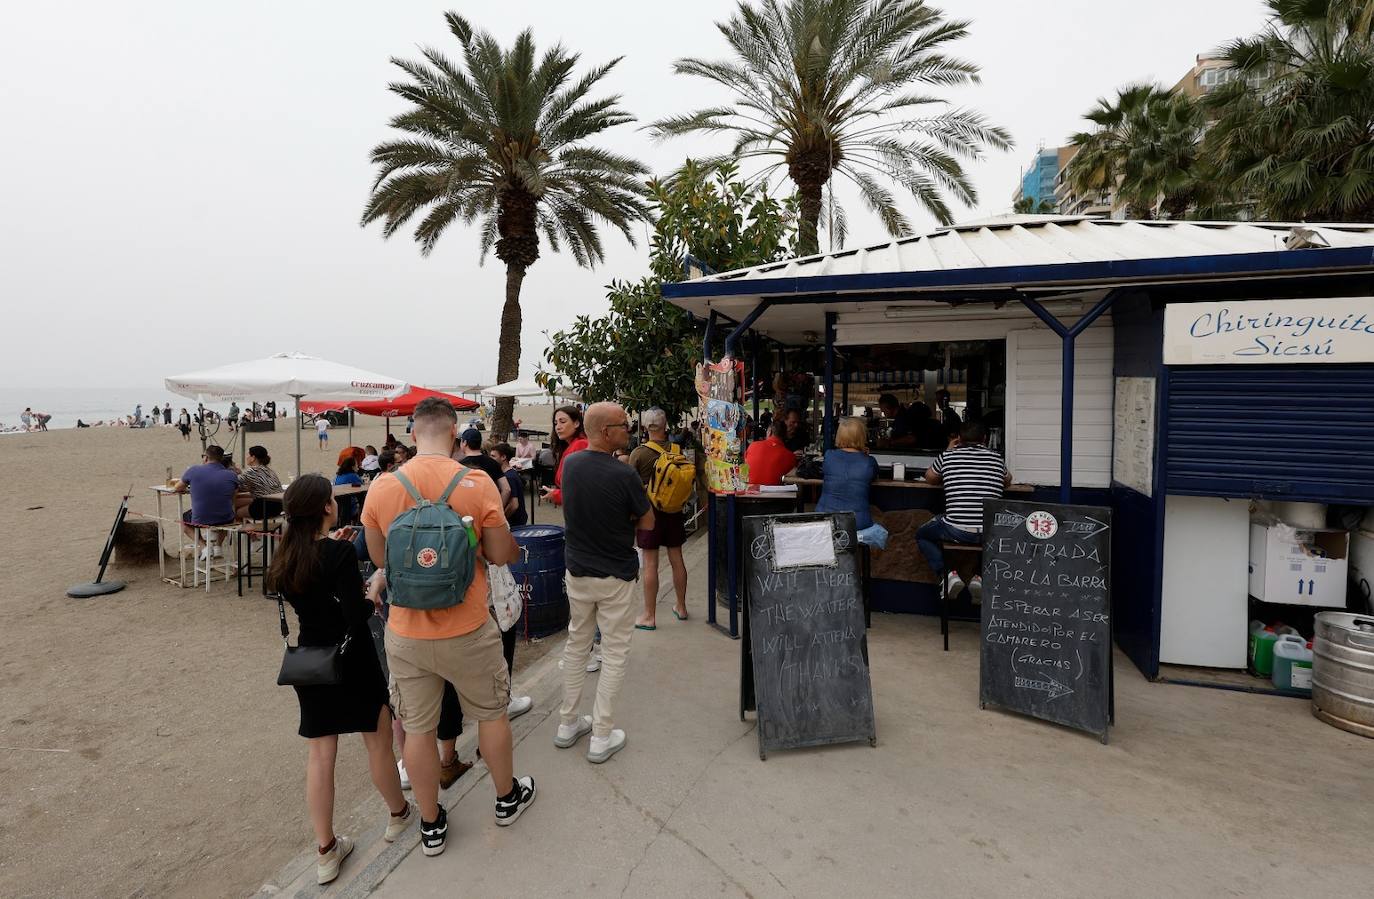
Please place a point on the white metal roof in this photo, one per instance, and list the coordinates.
(1000, 252)
(1050, 240)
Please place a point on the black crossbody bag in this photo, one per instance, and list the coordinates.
(310, 666)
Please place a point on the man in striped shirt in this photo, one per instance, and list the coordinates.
(970, 473)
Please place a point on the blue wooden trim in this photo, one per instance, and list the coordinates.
(710, 332)
(732, 339)
(710, 558)
(828, 418)
(1065, 273)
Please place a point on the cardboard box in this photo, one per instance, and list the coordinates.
(1299, 567)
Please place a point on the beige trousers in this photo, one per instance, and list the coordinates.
(608, 603)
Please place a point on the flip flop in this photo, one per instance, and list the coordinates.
(679, 617)
(646, 627)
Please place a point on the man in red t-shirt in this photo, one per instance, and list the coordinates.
(768, 460)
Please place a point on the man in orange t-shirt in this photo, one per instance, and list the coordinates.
(460, 644)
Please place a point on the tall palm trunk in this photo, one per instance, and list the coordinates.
(518, 248)
(508, 357)
(809, 171)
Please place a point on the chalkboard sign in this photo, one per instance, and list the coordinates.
(804, 656)
(1047, 633)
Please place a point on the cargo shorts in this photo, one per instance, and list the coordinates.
(473, 663)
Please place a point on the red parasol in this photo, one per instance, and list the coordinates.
(393, 408)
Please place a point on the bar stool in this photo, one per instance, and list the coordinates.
(207, 564)
(243, 552)
(947, 548)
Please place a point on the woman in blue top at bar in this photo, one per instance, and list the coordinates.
(847, 472)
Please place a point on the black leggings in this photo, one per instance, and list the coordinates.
(451, 710)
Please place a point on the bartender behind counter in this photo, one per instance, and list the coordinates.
(912, 427)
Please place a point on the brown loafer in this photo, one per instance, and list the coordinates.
(449, 774)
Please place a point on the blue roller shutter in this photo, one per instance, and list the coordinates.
(1284, 431)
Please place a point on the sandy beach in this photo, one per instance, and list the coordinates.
(144, 744)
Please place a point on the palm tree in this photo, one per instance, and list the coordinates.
(1295, 132)
(502, 139)
(1144, 147)
(1032, 206)
(825, 86)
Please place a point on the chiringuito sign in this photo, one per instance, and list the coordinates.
(1266, 332)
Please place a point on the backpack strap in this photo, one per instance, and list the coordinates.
(443, 498)
(655, 447)
(410, 488)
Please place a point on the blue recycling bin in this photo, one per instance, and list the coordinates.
(538, 572)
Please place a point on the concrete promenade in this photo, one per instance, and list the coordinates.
(1200, 793)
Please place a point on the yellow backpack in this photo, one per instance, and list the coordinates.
(673, 479)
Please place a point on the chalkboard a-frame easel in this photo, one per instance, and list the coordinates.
(1046, 647)
(804, 652)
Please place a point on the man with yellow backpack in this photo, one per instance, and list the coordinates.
(668, 479)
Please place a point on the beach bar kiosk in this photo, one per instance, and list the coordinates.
(1184, 374)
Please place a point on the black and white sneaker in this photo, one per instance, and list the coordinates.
(507, 810)
(434, 834)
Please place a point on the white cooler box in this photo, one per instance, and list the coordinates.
(1303, 567)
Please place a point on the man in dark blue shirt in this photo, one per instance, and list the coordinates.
(212, 487)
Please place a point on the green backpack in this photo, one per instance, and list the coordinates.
(430, 560)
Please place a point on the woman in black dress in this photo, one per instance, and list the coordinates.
(319, 576)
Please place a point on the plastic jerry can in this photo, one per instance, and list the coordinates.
(1262, 648)
(1292, 664)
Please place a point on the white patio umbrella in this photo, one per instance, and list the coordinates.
(287, 374)
(529, 388)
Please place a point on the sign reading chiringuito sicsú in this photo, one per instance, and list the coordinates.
(1266, 332)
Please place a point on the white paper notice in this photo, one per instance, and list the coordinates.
(1302, 678)
(1133, 440)
(802, 544)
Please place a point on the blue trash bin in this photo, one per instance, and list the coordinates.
(538, 571)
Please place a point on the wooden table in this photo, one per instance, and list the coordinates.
(162, 490)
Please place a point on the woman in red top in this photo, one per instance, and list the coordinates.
(768, 460)
(568, 439)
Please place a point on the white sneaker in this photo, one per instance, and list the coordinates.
(518, 706)
(396, 826)
(602, 748)
(205, 554)
(954, 585)
(405, 778)
(327, 867)
(568, 734)
(218, 551)
(975, 590)
(594, 663)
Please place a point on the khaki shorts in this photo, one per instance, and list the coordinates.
(473, 663)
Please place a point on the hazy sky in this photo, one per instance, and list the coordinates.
(184, 180)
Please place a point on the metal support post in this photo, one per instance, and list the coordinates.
(1067, 334)
(828, 413)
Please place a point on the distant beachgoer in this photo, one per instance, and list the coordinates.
(138, 411)
(81, 424)
(184, 424)
(322, 431)
(26, 418)
(167, 414)
(157, 414)
(41, 419)
(233, 417)
(319, 576)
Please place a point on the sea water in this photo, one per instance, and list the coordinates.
(91, 404)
